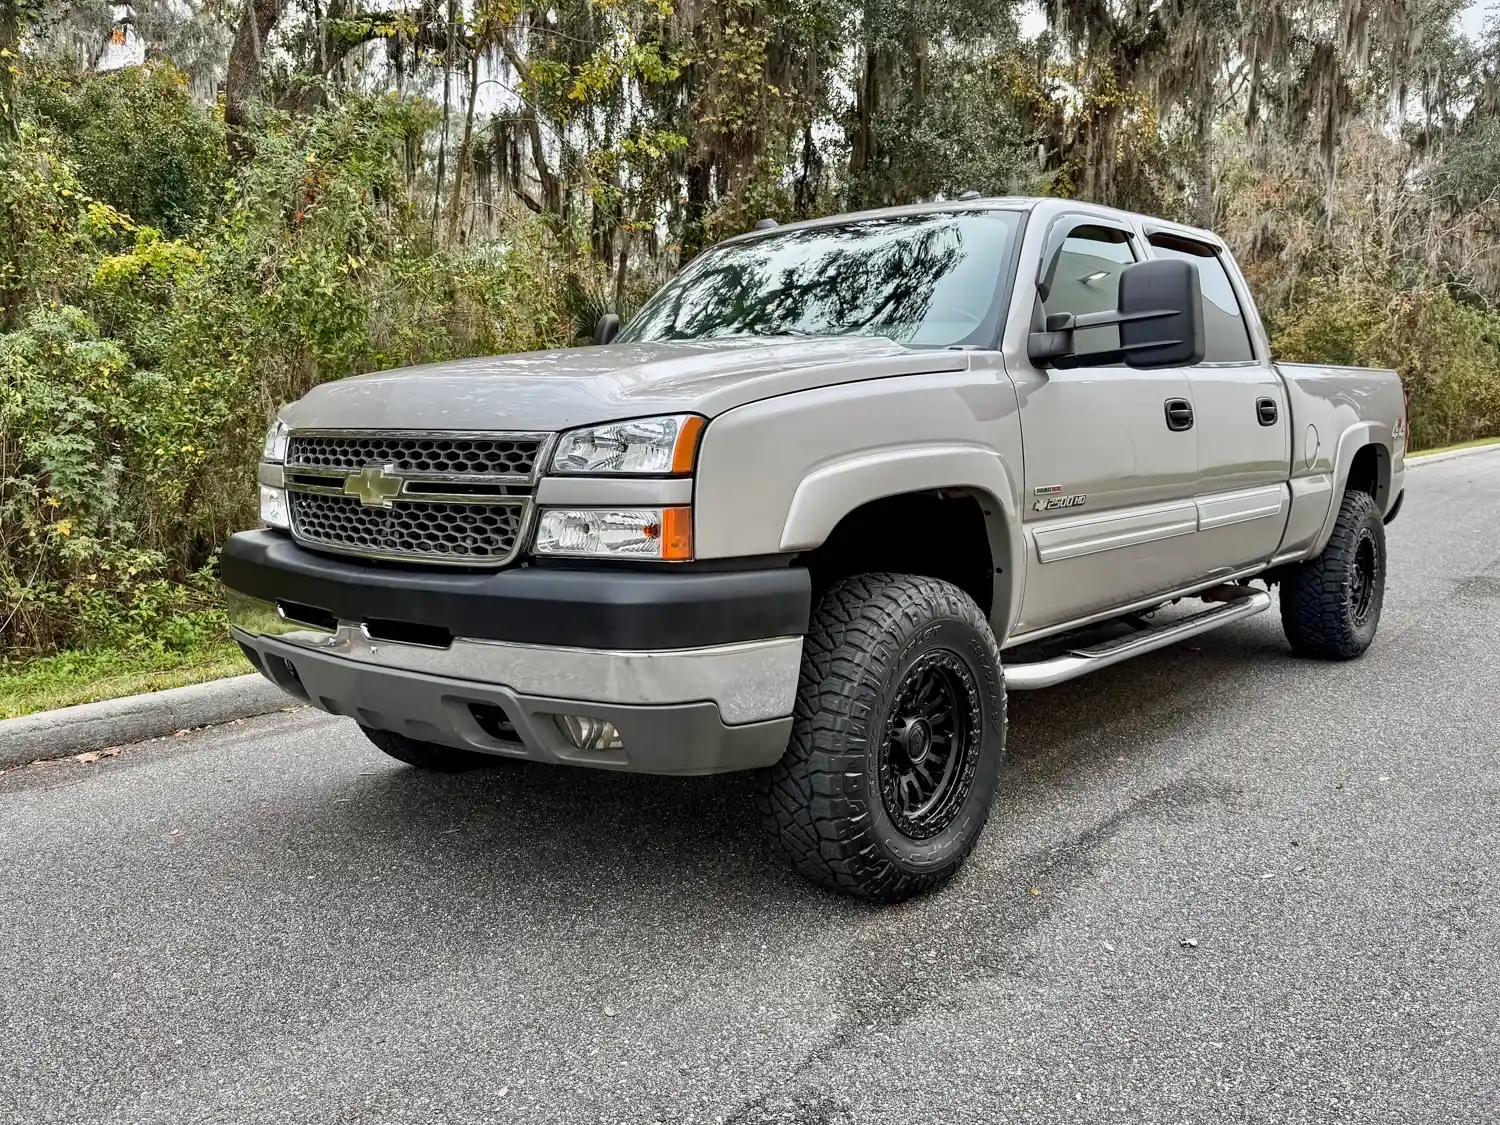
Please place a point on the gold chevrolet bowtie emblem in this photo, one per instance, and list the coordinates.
(375, 485)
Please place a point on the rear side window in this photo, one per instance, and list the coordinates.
(1227, 338)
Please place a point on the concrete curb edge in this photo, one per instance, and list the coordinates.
(136, 718)
(1451, 454)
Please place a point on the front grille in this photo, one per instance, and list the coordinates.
(461, 500)
(467, 456)
(475, 533)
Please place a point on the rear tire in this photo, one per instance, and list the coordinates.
(897, 739)
(431, 756)
(1330, 605)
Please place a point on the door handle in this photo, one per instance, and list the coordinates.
(1179, 414)
(1265, 411)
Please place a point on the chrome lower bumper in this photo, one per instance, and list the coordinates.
(702, 710)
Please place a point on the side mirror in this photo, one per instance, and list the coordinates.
(607, 328)
(1159, 312)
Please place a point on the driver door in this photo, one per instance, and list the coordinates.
(1110, 452)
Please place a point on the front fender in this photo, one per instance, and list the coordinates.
(831, 491)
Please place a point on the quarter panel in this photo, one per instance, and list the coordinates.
(1336, 411)
(1311, 497)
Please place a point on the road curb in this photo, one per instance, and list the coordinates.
(1451, 454)
(136, 718)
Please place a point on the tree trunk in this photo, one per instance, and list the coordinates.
(1207, 209)
(699, 181)
(442, 161)
(11, 289)
(622, 271)
(244, 77)
(461, 165)
(866, 105)
(10, 56)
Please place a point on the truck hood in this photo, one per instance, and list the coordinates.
(557, 390)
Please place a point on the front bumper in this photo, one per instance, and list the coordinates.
(695, 709)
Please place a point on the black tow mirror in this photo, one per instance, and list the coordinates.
(607, 328)
(1159, 312)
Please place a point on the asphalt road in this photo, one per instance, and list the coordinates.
(272, 922)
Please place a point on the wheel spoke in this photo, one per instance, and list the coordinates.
(911, 793)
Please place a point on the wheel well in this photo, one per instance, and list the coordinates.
(938, 534)
(1364, 471)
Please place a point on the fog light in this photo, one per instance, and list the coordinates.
(273, 508)
(590, 734)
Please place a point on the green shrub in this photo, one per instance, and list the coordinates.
(138, 140)
(1447, 353)
(144, 368)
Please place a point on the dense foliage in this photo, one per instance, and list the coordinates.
(282, 194)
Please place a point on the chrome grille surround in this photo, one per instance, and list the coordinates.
(450, 498)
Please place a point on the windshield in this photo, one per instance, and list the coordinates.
(927, 280)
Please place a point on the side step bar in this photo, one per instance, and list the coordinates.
(1045, 673)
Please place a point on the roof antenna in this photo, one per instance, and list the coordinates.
(766, 224)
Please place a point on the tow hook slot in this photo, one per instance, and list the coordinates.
(407, 633)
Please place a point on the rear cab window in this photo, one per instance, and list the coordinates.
(1227, 338)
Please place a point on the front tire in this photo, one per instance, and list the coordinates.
(897, 739)
(1330, 605)
(430, 756)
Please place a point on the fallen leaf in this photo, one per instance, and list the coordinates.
(1384, 778)
(1035, 891)
(1109, 947)
(1190, 943)
(95, 755)
(610, 1012)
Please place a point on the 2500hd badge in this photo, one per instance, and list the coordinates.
(1053, 502)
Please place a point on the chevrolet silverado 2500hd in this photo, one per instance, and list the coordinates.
(834, 489)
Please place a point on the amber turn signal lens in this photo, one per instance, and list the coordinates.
(677, 534)
(686, 451)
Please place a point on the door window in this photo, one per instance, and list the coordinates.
(1085, 278)
(1227, 340)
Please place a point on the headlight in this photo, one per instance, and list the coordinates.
(649, 447)
(276, 439)
(273, 511)
(635, 533)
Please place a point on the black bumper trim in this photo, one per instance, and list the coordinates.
(598, 608)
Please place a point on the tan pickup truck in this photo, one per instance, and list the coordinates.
(832, 491)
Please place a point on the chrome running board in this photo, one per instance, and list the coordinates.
(1078, 661)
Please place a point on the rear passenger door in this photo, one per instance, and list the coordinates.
(1110, 453)
(1244, 432)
